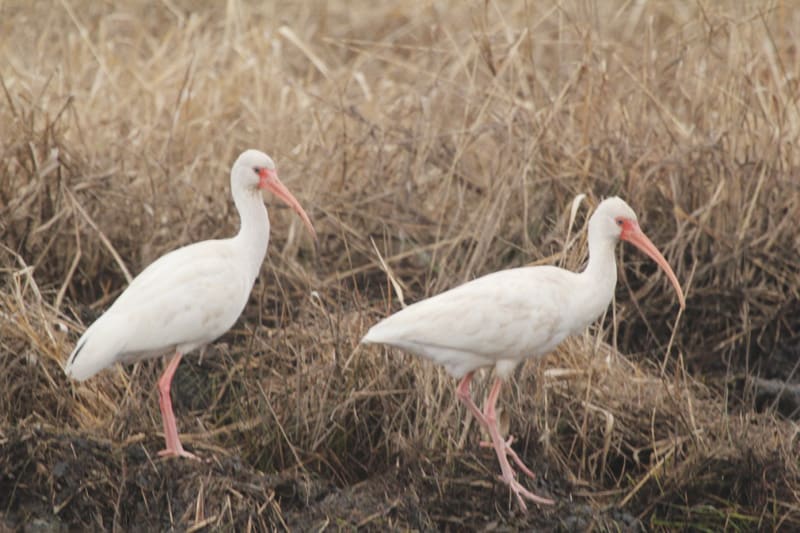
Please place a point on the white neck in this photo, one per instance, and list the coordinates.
(599, 278)
(253, 236)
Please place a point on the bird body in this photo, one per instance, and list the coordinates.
(503, 318)
(496, 320)
(190, 296)
(184, 300)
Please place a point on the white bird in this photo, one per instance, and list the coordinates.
(190, 296)
(506, 317)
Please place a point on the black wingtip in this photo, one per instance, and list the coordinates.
(76, 352)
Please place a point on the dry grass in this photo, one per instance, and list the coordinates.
(455, 135)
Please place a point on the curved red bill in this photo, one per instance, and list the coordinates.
(632, 233)
(269, 180)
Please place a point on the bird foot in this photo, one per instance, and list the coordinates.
(509, 476)
(510, 452)
(523, 494)
(178, 452)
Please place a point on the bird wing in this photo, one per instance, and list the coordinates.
(192, 294)
(507, 315)
(184, 299)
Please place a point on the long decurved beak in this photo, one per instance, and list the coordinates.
(632, 233)
(269, 181)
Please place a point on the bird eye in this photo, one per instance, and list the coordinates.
(620, 222)
(257, 170)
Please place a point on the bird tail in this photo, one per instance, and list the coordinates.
(97, 348)
(372, 336)
(384, 332)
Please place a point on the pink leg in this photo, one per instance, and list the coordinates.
(510, 451)
(174, 447)
(464, 395)
(502, 448)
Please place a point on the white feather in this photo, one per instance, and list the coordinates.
(185, 299)
(503, 318)
(500, 318)
(192, 295)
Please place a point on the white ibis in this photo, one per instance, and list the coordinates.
(506, 317)
(190, 296)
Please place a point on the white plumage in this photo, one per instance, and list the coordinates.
(185, 299)
(505, 317)
(190, 296)
(489, 321)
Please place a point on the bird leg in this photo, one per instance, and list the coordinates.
(466, 398)
(510, 451)
(503, 449)
(174, 447)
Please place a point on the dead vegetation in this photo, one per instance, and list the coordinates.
(454, 136)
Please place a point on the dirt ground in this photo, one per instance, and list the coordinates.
(431, 143)
(139, 494)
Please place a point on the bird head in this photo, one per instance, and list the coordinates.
(614, 220)
(255, 170)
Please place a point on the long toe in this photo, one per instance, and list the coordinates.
(524, 494)
(171, 452)
(522, 466)
(510, 452)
